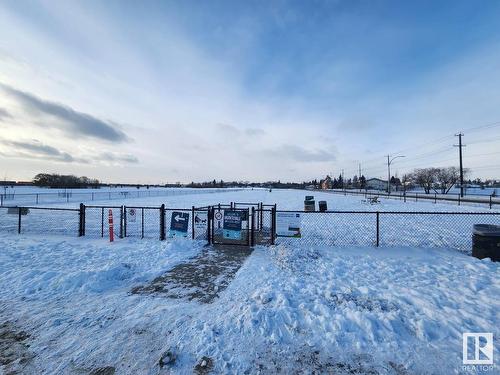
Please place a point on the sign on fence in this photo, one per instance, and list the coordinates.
(288, 224)
(200, 220)
(232, 224)
(15, 210)
(179, 224)
(131, 215)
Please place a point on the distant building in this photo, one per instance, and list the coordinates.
(327, 183)
(376, 184)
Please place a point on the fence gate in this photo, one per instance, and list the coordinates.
(230, 225)
(263, 226)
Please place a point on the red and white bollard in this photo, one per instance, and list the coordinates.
(110, 220)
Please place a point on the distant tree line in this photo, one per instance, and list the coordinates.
(64, 181)
(268, 184)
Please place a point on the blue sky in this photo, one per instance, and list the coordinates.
(257, 90)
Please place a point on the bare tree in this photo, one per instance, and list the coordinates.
(425, 177)
(438, 179)
(446, 178)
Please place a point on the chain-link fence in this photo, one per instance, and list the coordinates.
(142, 222)
(263, 232)
(432, 229)
(367, 228)
(96, 221)
(339, 228)
(9, 219)
(72, 196)
(40, 220)
(260, 225)
(474, 200)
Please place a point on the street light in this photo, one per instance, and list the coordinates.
(389, 161)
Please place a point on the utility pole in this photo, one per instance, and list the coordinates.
(460, 135)
(388, 175)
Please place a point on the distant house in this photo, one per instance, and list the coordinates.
(376, 184)
(327, 183)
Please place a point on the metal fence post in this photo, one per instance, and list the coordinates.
(435, 198)
(102, 222)
(378, 228)
(252, 233)
(121, 222)
(19, 221)
(162, 222)
(192, 221)
(459, 199)
(491, 200)
(124, 221)
(142, 222)
(37, 199)
(209, 224)
(273, 225)
(261, 218)
(80, 221)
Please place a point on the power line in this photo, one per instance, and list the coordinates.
(441, 140)
(480, 127)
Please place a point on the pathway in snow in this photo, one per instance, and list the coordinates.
(14, 351)
(201, 278)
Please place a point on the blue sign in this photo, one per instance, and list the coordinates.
(179, 224)
(231, 227)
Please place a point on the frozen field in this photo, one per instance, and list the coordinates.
(68, 306)
(285, 200)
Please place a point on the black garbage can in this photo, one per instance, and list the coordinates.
(486, 241)
(309, 203)
(322, 206)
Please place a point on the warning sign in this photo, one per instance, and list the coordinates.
(288, 224)
(131, 215)
(200, 220)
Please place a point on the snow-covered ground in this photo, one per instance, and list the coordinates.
(67, 307)
(30, 196)
(289, 309)
(286, 199)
